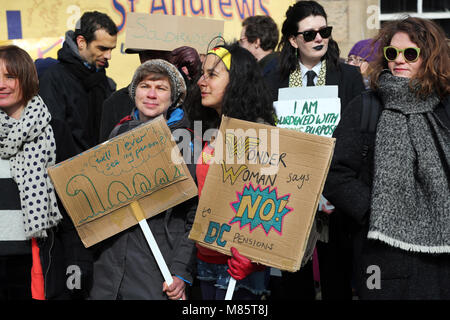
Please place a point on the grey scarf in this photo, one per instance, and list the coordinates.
(29, 144)
(410, 198)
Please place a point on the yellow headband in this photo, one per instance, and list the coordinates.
(223, 54)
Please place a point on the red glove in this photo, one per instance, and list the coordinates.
(240, 267)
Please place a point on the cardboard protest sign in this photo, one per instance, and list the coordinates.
(318, 112)
(314, 115)
(261, 192)
(97, 186)
(166, 32)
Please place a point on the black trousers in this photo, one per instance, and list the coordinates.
(15, 277)
(336, 260)
(294, 285)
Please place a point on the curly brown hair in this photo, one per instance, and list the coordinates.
(434, 73)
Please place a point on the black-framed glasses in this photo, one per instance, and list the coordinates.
(310, 35)
(411, 54)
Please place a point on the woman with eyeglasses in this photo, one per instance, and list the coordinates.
(398, 195)
(361, 55)
(310, 57)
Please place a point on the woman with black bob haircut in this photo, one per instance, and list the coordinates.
(232, 85)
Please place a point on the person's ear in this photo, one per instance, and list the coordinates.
(81, 42)
(293, 41)
(257, 43)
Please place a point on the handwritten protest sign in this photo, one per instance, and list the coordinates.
(261, 192)
(97, 186)
(314, 115)
(166, 32)
(319, 112)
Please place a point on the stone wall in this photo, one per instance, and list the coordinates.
(352, 20)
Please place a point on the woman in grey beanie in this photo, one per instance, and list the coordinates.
(398, 194)
(124, 267)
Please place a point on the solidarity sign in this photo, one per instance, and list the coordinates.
(261, 192)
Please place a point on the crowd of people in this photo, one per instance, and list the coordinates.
(389, 181)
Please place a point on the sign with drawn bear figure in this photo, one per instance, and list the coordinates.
(261, 192)
(97, 186)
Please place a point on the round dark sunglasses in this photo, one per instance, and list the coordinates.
(410, 54)
(310, 35)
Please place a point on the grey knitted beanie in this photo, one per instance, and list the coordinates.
(159, 66)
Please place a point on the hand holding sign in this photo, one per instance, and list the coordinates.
(175, 291)
(240, 267)
(262, 215)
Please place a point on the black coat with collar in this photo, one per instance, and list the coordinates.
(347, 77)
(333, 255)
(66, 89)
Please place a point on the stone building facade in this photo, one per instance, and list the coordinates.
(352, 20)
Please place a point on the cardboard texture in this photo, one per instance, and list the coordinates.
(261, 195)
(97, 186)
(166, 32)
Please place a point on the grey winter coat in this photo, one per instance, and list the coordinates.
(124, 266)
(381, 271)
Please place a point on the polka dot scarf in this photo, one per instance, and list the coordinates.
(29, 144)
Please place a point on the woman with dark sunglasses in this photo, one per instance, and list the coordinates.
(310, 56)
(307, 45)
(399, 193)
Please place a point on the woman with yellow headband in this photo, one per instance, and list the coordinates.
(232, 85)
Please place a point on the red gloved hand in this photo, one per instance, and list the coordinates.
(240, 267)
